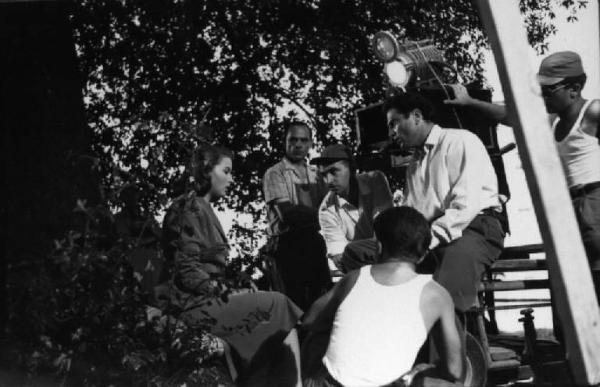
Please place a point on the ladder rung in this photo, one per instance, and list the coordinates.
(501, 353)
(521, 251)
(499, 286)
(518, 265)
(519, 306)
(503, 364)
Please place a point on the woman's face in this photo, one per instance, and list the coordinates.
(220, 178)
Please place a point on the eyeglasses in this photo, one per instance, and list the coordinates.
(548, 90)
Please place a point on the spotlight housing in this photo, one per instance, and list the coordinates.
(385, 46)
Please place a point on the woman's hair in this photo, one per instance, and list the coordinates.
(403, 233)
(203, 160)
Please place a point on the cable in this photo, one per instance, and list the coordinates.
(460, 125)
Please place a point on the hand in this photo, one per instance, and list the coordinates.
(337, 260)
(461, 96)
(435, 242)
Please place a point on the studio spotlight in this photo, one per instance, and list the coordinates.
(385, 46)
(411, 64)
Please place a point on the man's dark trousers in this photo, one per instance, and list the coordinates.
(459, 265)
(302, 262)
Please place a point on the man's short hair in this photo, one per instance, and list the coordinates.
(403, 233)
(407, 102)
(294, 124)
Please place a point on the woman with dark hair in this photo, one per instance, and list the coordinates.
(259, 326)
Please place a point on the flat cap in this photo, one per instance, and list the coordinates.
(333, 153)
(558, 66)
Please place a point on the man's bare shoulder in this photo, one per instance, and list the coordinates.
(435, 296)
(593, 111)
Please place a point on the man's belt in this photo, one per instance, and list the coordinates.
(584, 189)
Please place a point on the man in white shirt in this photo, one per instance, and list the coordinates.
(452, 182)
(347, 211)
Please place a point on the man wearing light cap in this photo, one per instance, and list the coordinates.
(576, 131)
(347, 211)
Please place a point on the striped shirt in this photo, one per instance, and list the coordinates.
(297, 184)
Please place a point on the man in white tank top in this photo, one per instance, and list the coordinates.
(576, 132)
(379, 316)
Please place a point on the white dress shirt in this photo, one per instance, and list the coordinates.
(450, 181)
(341, 222)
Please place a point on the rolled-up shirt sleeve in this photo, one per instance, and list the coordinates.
(332, 231)
(274, 186)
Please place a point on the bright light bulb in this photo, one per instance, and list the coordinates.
(397, 73)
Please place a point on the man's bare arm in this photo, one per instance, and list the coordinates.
(320, 316)
(592, 115)
(453, 352)
(493, 111)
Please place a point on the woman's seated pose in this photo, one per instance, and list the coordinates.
(380, 315)
(259, 326)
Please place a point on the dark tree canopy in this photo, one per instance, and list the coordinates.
(155, 70)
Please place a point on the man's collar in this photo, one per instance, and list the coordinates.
(333, 199)
(433, 137)
(289, 165)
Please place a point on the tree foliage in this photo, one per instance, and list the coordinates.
(155, 70)
(85, 317)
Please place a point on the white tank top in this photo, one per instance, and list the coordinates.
(377, 332)
(579, 153)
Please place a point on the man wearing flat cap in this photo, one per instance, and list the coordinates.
(576, 128)
(347, 211)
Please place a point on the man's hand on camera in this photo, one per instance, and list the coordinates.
(461, 96)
